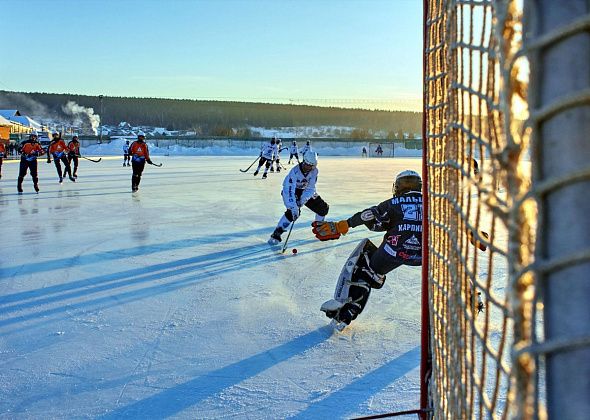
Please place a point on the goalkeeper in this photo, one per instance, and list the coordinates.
(400, 217)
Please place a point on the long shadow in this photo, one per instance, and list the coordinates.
(206, 270)
(178, 398)
(100, 283)
(341, 403)
(112, 255)
(230, 255)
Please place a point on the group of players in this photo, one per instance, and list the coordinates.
(399, 217)
(270, 154)
(68, 154)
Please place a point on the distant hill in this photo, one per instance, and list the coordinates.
(206, 116)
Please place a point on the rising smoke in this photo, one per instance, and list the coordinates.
(79, 113)
(25, 104)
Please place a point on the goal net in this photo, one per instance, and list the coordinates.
(381, 150)
(507, 175)
(479, 232)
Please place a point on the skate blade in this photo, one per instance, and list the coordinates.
(272, 242)
(338, 326)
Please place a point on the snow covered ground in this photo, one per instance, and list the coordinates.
(237, 148)
(169, 302)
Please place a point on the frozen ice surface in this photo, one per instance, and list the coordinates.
(169, 303)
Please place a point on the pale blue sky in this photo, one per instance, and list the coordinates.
(367, 51)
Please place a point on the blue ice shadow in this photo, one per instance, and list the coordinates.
(206, 268)
(61, 263)
(176, 399)
(341, 403)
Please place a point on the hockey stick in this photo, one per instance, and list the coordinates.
(252, 164)
(287, 238)
(159, 165)
(91, 160)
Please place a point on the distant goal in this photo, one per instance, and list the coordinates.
(381, 150)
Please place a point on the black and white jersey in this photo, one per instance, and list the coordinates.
(298, 188)
(294, 150)
(275, 151)
(125, 149)
(267, 151)
(305, 149)
(401, 218)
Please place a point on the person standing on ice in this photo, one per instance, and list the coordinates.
(293, 152)
(126, 154)
(299, 189)
(277, 155)
(266, 156)
(306, 147)
(57, 149)
(400, 217)
(139, 156)
(2, 156)
(74, 154)
(30, 149)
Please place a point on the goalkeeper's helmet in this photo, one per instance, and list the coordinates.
(407, 181)
(310, 161)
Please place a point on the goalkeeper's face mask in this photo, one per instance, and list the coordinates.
(407, 181)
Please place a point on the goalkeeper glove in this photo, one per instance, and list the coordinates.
(326, 231)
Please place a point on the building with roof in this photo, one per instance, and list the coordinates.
(5, 128)
(19, 123)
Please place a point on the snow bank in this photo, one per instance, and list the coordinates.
(234, 148)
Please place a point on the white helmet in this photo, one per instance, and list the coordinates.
(310, 158)
(406, 181)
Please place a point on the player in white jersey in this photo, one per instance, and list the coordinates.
(275, 154)
(306, 147)
(277, 157)
(293, 152)
(266, 156)
(299, 189)
(126, 158)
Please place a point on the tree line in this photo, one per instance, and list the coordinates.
(206, 117)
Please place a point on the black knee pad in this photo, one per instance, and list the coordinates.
(320, 207)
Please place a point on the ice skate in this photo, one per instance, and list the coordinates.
(255, 173)
(331, 308)
(275, 237)
(264, 175)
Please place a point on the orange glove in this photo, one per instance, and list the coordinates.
(326, 231)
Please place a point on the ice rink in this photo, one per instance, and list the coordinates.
(169, 302)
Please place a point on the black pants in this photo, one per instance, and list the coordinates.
(293, 155)
(27, 165)
(137, 167)
(263, 161)
(1, 160)
(73, 157)
(57, 161)
(125, 159)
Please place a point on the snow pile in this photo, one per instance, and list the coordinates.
(235, 148)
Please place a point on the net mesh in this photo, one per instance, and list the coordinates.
(478, 178)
